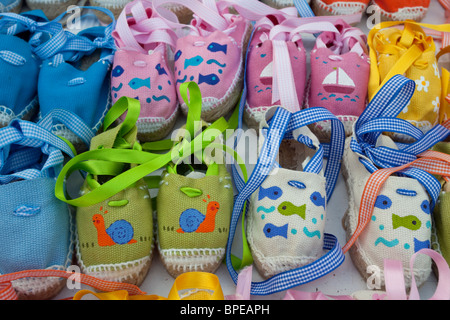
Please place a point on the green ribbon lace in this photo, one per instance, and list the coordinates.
(123, 161)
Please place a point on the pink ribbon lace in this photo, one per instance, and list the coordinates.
(394, 280)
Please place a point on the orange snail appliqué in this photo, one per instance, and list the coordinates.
(119, 232)
(192, 220)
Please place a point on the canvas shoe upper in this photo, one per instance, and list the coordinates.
(142, 69)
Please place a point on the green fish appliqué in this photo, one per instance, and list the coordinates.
(409, 222)
(288, 209)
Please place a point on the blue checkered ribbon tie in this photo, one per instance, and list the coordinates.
(24, 160)
(379, 117)
(303, 8)
(79, 46)
(44, 48)
(72, 121)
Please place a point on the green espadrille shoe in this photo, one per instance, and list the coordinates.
(114, 227)
(193, 214)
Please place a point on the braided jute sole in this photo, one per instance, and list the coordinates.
(53, 8)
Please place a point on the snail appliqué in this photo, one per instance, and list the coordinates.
(119, 232)
(192, 220)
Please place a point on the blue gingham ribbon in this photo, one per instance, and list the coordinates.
(72, 121)
(303, 8)
(380, 116)
(12, 23)
(334, 149)
(24, 160)
(80, 46)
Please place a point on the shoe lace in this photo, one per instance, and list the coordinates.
(144, 30)
(348, 39)
(12, 58)
(410, 160)
(36, 152)
(46, 38)
(76, 46)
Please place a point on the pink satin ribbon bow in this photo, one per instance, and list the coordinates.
(394, 282)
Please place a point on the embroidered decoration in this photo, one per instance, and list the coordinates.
(419, 245)
(383, 202)
(286, 208)
(217, 47)
(272, 193)
(160, 69)
(311, 234)
(192, 220)
(318, 199)
(26, 211)
(422, 84)
(338, 81)
(117, 71)
(409, 222)
(271, 230)
(119, 232)
(137, 83)
(266, 210)
(194, 61)
(425, 206)
(211, 79)
(297, 184)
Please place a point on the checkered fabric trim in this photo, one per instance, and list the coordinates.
(286, 280)
(303, 8)
(8, 293)
(12, 58)
(15, 23)
(235, 170)
(80, 45)
(72, 121)
(334, 150)
(32, 141)
(368, 130)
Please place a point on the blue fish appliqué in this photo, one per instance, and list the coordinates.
(317, 199)
(177, 55)
(160, 69)
(117, 71)
(271, 230)
(273, 193)
(419, 245)
(194, 61)
(211, 79)
(216, 47)
(137, 83)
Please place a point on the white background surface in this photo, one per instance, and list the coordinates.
(345, 280)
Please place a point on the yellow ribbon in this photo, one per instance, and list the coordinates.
(413, 41)
(187, 286)
(444, 112)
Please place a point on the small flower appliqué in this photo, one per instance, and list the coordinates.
(436, 103)
(422, 84)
